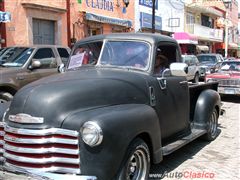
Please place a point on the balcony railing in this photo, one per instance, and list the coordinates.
(203, 32)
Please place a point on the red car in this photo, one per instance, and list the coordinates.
(228, 77)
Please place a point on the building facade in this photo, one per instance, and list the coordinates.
(169, 16)
(198, 25)
(35, 22)
(92, 17)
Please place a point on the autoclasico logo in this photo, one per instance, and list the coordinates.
(184, 174)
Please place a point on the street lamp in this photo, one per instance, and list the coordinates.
(227, 3)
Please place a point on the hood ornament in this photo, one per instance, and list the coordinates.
(26, 119)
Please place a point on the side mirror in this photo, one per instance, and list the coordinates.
(179, 69)
(61, 68)
(35, 64)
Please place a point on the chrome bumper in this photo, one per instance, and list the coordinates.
(10, 173)
(229, 90)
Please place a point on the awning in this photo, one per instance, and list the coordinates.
(202, 48)
(205, 9)
(185, 38)
(233, 46)
(109, 20)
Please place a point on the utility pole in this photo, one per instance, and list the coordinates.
(227, 4)
(226, 34)
(153, 16)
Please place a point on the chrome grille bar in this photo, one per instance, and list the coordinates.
(51, 169)
(41, 150)
(41, 160)
(40, 141)
(42, 132)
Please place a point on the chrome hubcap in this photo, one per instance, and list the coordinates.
(213, 124)
(137, 166)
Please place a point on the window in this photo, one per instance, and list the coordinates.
(85, 54)
(63, 54)
(125, 54)
(46, 57)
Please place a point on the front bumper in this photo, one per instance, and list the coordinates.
(229, 90)
(12, 173)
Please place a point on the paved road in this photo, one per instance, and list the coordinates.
(218, 160)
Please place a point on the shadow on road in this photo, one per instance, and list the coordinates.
(230, 98)
(175, 159)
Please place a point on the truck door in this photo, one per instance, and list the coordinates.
(172, 97)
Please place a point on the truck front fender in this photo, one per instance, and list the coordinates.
(206, 102)
(120, 124)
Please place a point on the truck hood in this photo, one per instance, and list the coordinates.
(207, 64)
(224, 75)
(55, 97)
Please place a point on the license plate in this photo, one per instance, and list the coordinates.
(229, 91)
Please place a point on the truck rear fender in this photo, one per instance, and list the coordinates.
(120, 125)
(206, 102)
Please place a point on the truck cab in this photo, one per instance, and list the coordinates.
(109, 115)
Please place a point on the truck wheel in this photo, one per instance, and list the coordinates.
(5, 97)
(212, 127)
(137, 163)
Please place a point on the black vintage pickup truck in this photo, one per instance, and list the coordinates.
(108, 115)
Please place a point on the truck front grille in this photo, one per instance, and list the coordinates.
(48, 150)
(229, 82)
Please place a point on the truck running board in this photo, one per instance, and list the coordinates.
(168, 149)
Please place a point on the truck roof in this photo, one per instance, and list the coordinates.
(152, 38)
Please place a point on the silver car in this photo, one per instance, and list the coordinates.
(29, 64)
(193, 67)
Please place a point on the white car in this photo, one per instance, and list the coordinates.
(193, 67)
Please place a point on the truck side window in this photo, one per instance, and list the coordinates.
(171, 52)
(63, 54)
(46, 57)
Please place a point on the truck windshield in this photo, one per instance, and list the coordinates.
(207, 58)
(131, 54)
(21, 59)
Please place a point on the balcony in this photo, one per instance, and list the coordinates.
(205, 33)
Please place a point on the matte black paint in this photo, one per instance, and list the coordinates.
(118, 100)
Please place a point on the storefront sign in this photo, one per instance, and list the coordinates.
(5, 16)
(101, 4)
(146, 21)
(109, 20)
(148, 3)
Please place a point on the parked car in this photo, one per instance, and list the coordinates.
(193, 67)
(228, 77)
(28, 64)
(10, 53)
(110, 120)
(229, 58)
(209, 63)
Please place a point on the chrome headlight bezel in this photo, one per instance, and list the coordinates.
(91, 133)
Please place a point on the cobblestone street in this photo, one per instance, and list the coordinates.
(218, 160)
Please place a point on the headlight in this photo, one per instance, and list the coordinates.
(91, 133)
